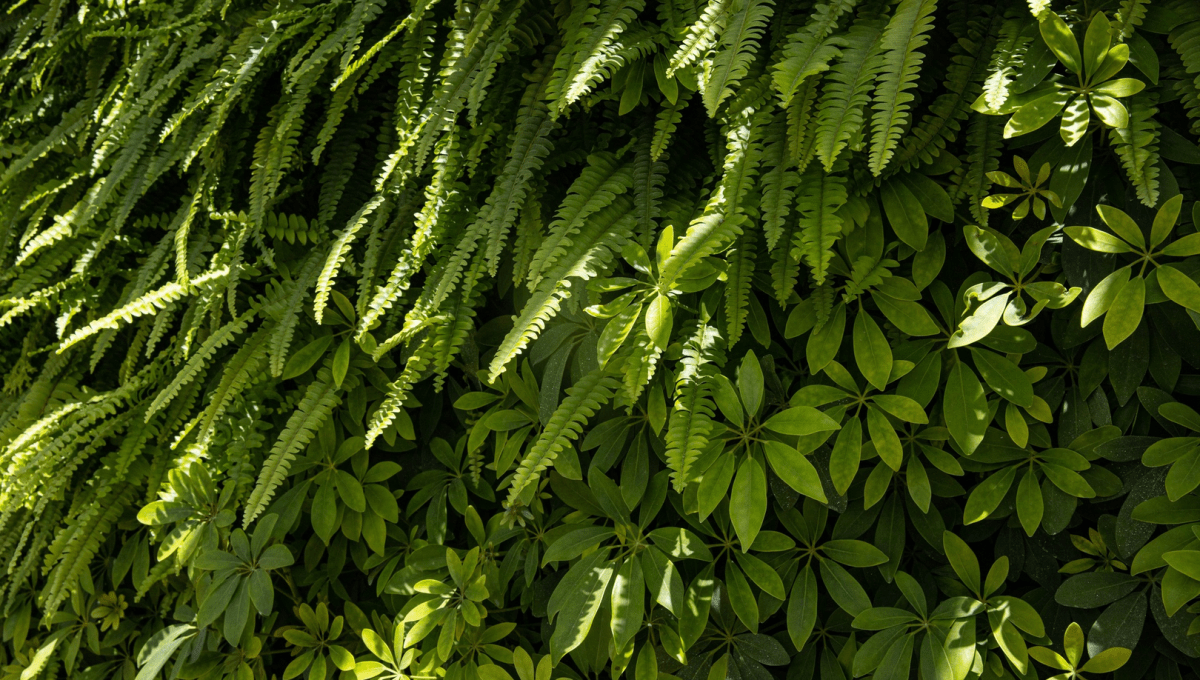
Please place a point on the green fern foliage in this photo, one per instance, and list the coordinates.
(566, 339)
(904, 36)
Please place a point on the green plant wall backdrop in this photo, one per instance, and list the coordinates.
(579, 339)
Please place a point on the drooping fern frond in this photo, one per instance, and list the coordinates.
(598, 185)
(820, 197)
(338, 252)
(984, 144)
(599, 43)
(1137, 147)
(778, 181)
(701, 36)
(1130, 15)
(743, 32)
(809, 49)
(149, 303)
(583, 399)
(848, 91)
(738, 284)
(941, 123)
(801, 123)
(530, 146)
(349, 68)
(85, 540)
(457, 321)
(666, 122)
(198, 362)
(720, 222)
(866, 272)
(289, 315)
(319, 400)
(649, 175)
(638, 365)
(1186, 42)
(431, 223)
(1006, 62)
(242, 370)
(903, 38)
(581, 255)
(398, 391)
(691, 418)
(785, 266)
(460, 66)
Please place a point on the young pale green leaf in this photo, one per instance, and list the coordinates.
(1061, 41)
(1125, 313)
(800, 421)
(872, 352)
(795, 470)
(965, 408)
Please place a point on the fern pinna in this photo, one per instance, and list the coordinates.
(549, 339)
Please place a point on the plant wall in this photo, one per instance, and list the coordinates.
(568, 339)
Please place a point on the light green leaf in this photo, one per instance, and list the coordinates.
(800, 421)
(965, 407)
(871, 350)
(1125, 314)
(795, 470)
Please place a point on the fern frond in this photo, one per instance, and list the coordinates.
(668, 119)
(458, 320)
(598, 50)
(785, 266)
(801, 124)
(149, 303)
(337, 254)
(398, 391)
(351, 67)
(743, 31)
(460, 65)
(530, 146)
(984, 144)
(638, 365)
(848, 91)
(87, 539)
(942, 121)
(583, 255)
(867, 272)
(691, 418)
(242, 370)
(820, 197)
(197, 363)
(701, 36)
(597, 186)
(1137, 147)
(319, 400)
(531, 231)
(285, 328)
(72, 120)
(1129, 17)
(431, 224)
(720, 222)
(583, 399)
(778, 181)
(738, 285)
(1185, 40)
(649, 175)
(1006, 62)
(905, 35)
(808, 50)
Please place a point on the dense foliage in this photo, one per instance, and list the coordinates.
(541, 339)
